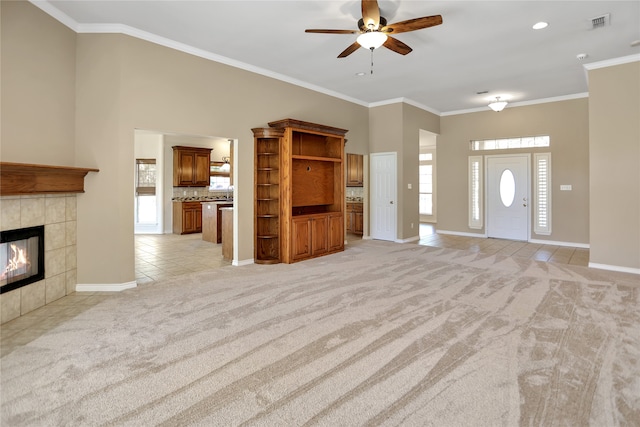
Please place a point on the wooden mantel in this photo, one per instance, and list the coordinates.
(23, 178)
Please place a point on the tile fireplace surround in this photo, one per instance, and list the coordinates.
(57, 212)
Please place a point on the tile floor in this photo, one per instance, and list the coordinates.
(159, 256)
(536, 251)
(162, 256)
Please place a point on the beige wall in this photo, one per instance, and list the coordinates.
(413, 120)
(396, 128)
(567, 124)
(37, 92)
(614, 128)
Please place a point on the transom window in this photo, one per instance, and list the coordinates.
(510, 143)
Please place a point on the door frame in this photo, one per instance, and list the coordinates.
(373, 200)
(486, 190)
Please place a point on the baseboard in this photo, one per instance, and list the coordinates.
(243, 262)
(460, 233)
(106, 287)
(614, 268)
(568, 244)
(410, 239)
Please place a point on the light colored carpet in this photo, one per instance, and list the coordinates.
(381, 334)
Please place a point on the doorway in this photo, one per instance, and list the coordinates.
(507, 190)
(383, 180)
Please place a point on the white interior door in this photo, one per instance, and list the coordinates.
(383, 179)
(508, 197)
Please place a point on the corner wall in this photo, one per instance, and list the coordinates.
(614, 128)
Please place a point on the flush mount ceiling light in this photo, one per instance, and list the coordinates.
(498, 105)
(540, 25)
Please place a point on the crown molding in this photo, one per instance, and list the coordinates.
(521, 104)
(612, 62)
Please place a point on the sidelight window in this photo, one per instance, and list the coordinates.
(542, 201)
(475, 192)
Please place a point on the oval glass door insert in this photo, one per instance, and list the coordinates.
(507, 188)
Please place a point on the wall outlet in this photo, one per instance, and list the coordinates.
(411, 225)
(409, 186)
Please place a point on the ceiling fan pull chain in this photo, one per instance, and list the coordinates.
(371, 60)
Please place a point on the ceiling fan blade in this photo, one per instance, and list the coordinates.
(371, 13)
(397, 46)
(348, 51)
(413, 24)
(332, 31)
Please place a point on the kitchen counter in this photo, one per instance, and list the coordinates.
(202, 199)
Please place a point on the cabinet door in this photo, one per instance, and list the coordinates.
(358, 226)
(336, 232)
(201, 172)
(186, 167)
(354, 170)
(350, 219)
(300, 238)
(188, 221)
(198, 213)
(319, 235)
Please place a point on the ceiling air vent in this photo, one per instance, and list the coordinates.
(600, 21)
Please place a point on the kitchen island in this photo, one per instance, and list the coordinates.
(212, 219)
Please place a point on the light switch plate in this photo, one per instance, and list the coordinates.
(565, 187)
(409, 186)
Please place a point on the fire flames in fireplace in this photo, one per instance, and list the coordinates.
(17, 265)
(21, 257)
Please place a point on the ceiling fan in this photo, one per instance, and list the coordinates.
(374, 31)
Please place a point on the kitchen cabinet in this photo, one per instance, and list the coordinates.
(299, 191)
(355, 174)
(191, 166)
(187, 217)
(355, 218)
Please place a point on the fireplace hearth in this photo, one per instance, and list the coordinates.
(21, 257)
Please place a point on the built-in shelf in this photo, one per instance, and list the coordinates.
(25, 179)
(321, 159)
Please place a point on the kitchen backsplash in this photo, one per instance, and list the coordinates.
(354, 193)
(200, 192)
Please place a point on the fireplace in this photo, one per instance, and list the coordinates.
(21, 257)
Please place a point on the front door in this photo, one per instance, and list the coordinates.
(508, 197)
(383, 196)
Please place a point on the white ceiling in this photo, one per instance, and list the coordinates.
(481, 45)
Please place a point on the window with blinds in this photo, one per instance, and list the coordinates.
(542, 203)
(475, 192)
(145, 177)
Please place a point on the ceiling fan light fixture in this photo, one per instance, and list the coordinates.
(498, 105)
(371, 39)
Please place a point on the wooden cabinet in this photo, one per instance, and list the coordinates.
(355, 217)
(191, 166)
(299, 179)
(355, 170)
(316, 235)
(187, 217)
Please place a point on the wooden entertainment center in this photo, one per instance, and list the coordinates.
(299, 191)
